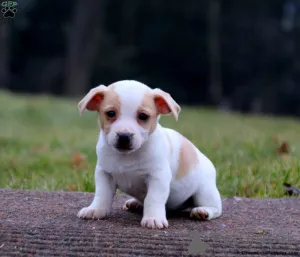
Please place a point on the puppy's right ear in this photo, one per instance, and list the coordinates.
(93, 99)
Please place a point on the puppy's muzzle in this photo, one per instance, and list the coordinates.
(124, 141)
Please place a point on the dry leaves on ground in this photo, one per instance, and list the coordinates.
(283, 148)
(79, 160)
(39, 148)
(71, 188)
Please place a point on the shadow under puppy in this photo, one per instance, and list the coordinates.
(157, 166)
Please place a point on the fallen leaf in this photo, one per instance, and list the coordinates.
(79, 160)
(39, 148)
(283, 148)
(71, 188)
(13, 164)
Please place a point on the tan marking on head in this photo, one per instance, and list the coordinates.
(111, 102)
(102, 99)
(188, 158)
(148, 107)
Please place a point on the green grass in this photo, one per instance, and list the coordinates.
(39, 135)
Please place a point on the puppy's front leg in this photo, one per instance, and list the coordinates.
(102, 203)
(154, 215)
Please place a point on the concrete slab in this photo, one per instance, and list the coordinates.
(35, 223)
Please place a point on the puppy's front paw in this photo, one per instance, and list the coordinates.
(92, 213)
(150, 222)
(132, 205)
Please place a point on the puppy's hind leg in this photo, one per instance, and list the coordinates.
(208, 202)
(132, 205)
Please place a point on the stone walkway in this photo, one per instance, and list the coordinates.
(35, 223)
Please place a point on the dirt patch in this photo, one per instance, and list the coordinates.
(35, 223)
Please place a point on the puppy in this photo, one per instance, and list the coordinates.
(157, 166)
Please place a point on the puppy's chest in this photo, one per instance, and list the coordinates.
(132, 184)
(120, 164)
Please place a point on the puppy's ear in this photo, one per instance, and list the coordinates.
(92, 100)
(165, 104)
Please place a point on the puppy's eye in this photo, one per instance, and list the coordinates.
(143, 116)
(111, 114)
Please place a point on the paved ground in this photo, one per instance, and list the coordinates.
(34, 223)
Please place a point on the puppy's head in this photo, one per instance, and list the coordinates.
(128, 112)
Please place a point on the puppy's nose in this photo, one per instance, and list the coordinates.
(124, 139)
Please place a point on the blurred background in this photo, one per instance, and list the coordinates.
(234, 55)
(216, 58)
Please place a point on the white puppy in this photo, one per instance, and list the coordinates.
(157, 166)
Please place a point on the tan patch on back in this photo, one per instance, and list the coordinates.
(148, 107)
(110, 102)
(188, 158)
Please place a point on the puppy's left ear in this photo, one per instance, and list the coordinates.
(165, 104)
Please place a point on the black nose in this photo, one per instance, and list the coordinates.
(124, 140)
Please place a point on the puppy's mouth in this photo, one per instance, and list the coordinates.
(124, 149)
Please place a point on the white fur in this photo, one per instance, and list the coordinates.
(148, 173)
